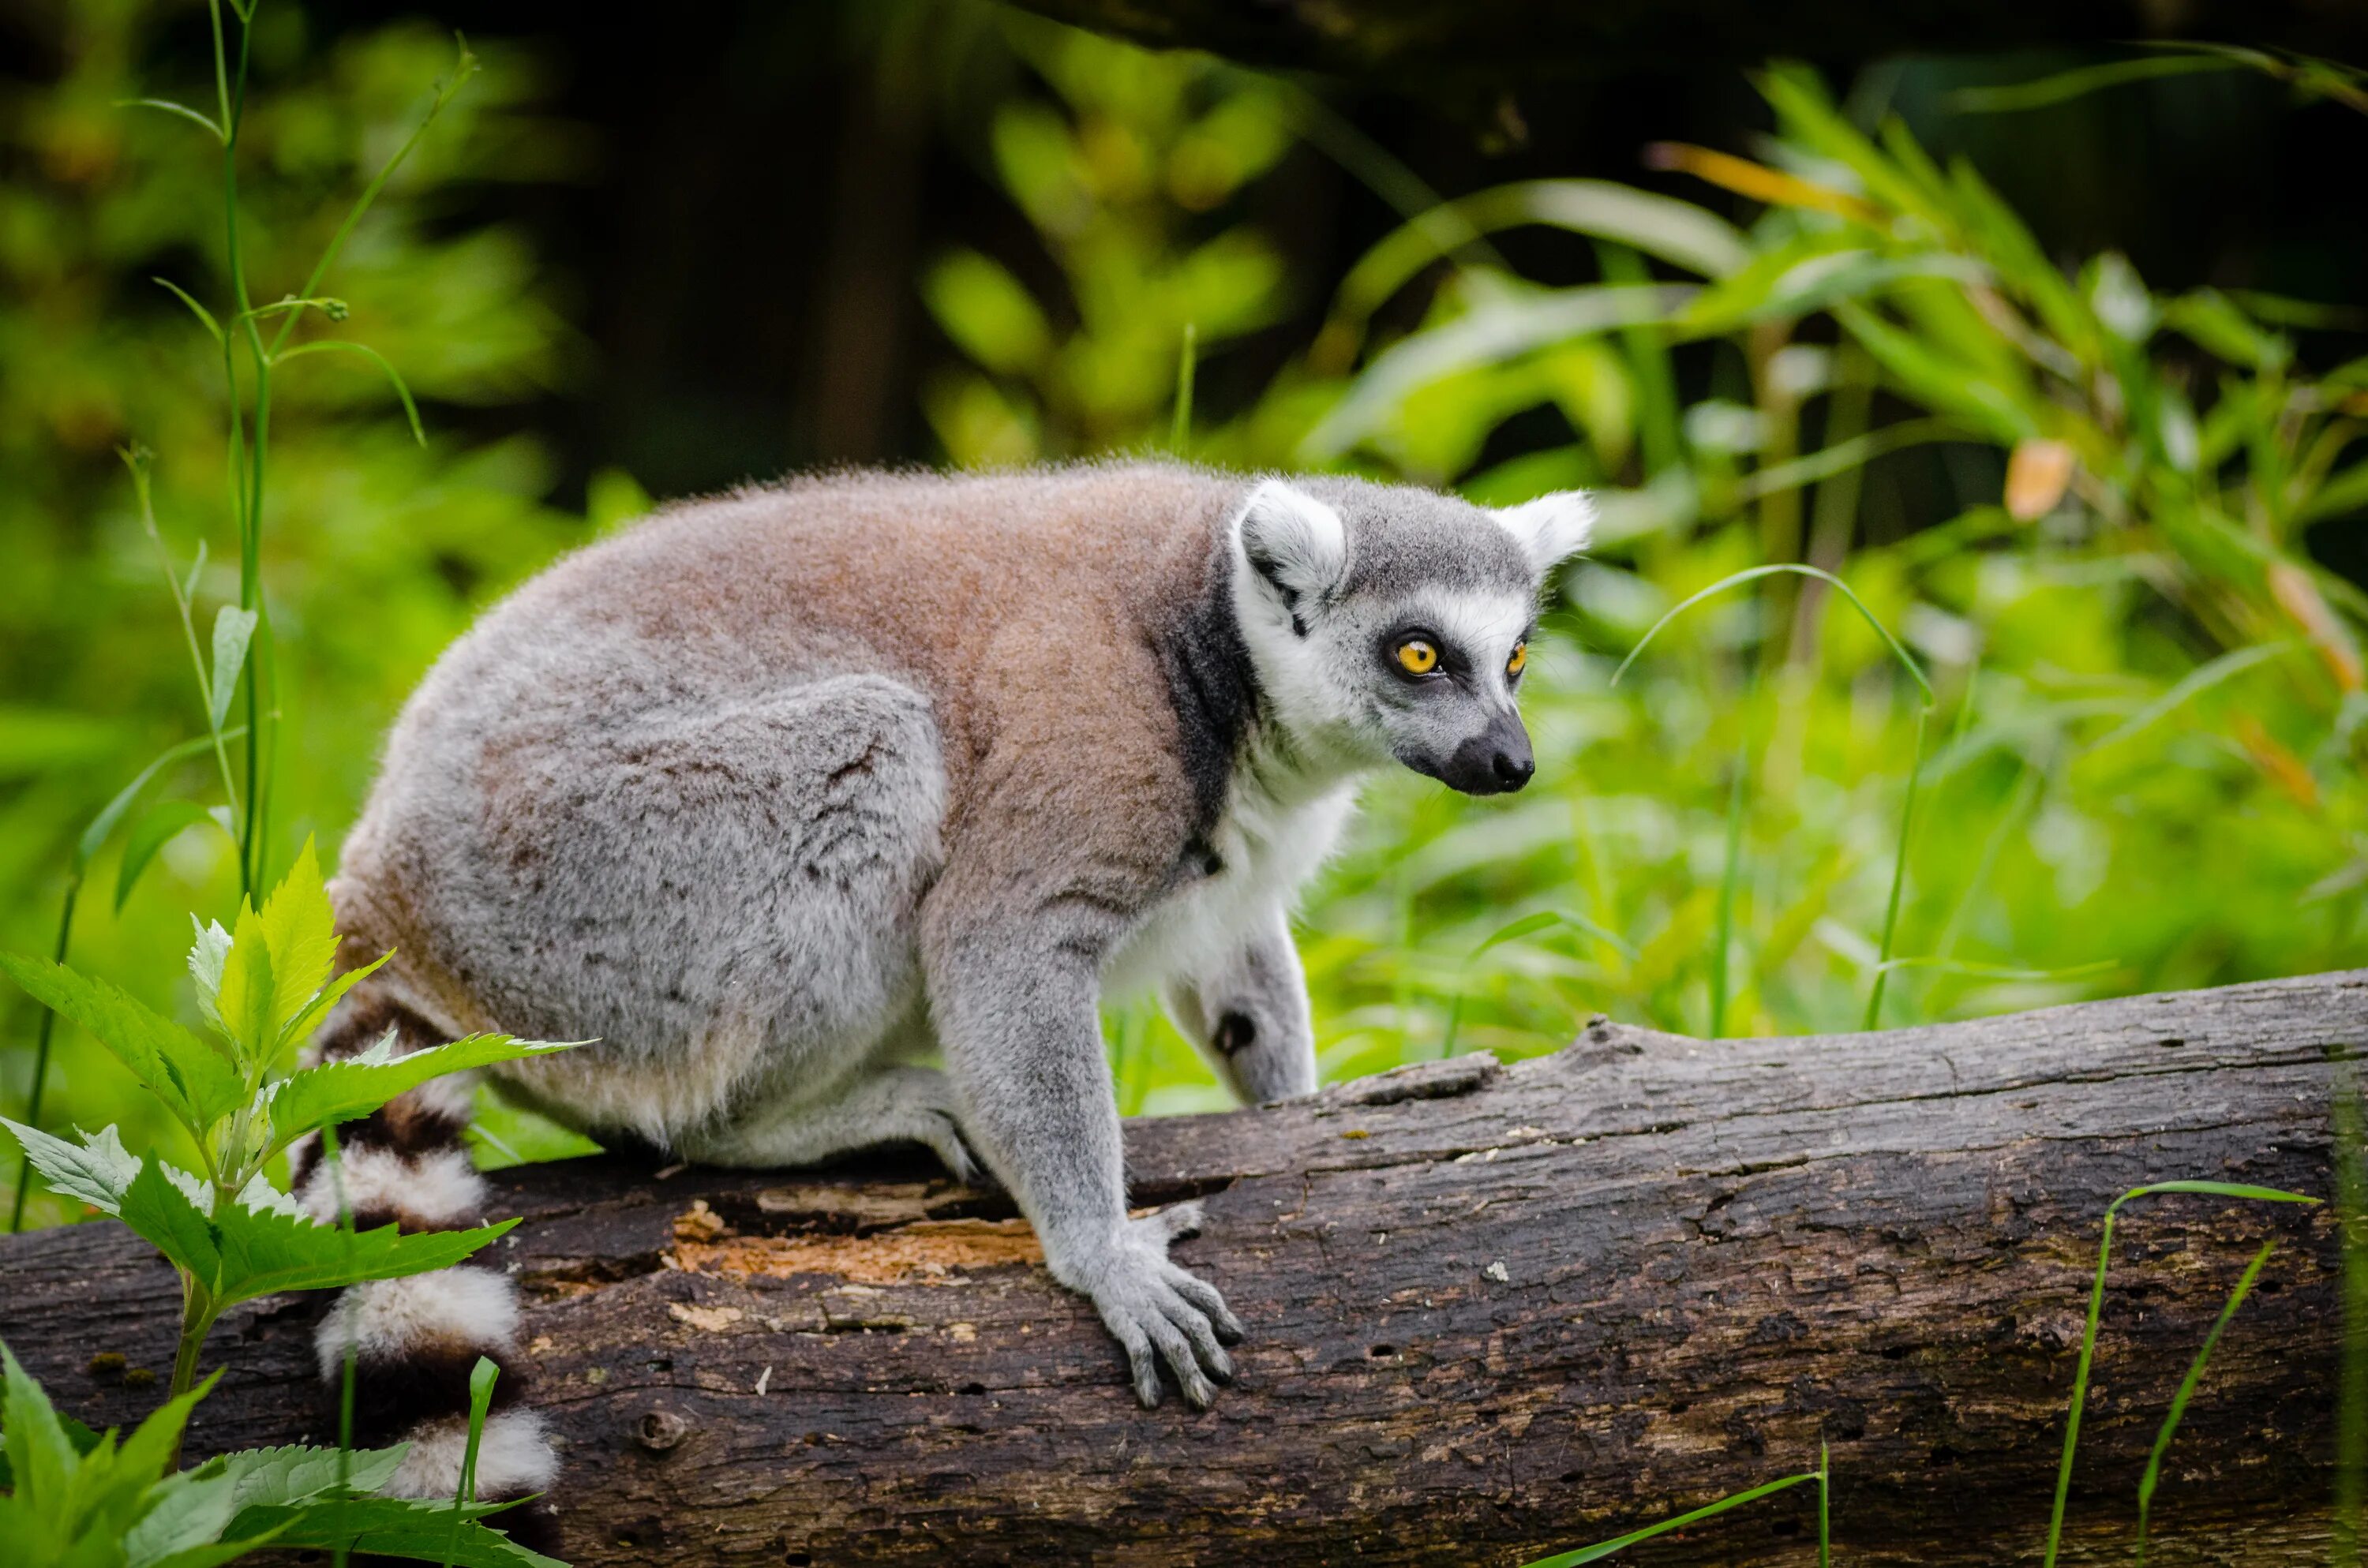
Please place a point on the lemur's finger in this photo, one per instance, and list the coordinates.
(1178, 1351)
(1203, 1295)
(1202, 1334)
(1143, 1366)
(1173, 1222)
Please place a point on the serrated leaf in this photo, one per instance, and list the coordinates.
(285, 1476)
(98, 1170)
(175, 1066)
(301, 930)
(342, 1091)
(329, 996)
(239, 1253)
(208, 955)
(234, 630)
(244, 1001)
(42, 1459)
(262, 1196)
(397, 1527)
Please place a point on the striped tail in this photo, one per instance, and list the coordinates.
(415, 1340)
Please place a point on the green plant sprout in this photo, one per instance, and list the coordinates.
(70, 1497)
(244, 653)
(226, 1230)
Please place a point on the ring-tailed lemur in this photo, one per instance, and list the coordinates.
(776, 796)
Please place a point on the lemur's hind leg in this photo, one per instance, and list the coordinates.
(1247, 1014)
(414, 1340)
(901, 1105)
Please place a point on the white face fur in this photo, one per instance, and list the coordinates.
(1392, 624)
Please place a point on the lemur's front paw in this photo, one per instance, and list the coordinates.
(1159, 1311)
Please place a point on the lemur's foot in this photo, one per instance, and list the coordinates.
(1160, 1312)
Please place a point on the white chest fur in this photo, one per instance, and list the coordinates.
(1271, 837)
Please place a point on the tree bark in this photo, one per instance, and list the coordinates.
(1482, 46)
(1494, 1313)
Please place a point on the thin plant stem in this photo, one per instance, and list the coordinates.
(344, 1311)
(1824, 1507)
(46, 1032)
(1898, 877)
(1723, 944)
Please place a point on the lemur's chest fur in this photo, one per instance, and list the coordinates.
(1273, 833)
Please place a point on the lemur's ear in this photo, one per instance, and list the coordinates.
(1295, 543)
(1551, 527)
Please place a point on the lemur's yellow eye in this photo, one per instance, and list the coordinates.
(1520, 656)
(1418, 657)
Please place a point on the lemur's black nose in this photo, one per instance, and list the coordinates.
(1513, 771)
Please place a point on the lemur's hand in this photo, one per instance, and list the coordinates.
(1159, 1311)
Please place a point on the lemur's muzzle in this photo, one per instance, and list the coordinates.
(1495, 762)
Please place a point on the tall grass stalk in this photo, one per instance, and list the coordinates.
(2352, 1389)
(2096, 1310)
(2170, 1430)
(1735, 802)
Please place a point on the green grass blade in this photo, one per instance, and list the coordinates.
(2351, 1387)
(205, 317)
(1975, 970)
(2227, 666)
(325, 345)
(2096, 1310)
(1730, 873)
(481, 1400)
(1907, 660)
(2065, 85)
(1604, 1549)
(169, 106)
(1899, 875)
(2153, 1475)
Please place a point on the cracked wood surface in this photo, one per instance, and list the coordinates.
(1494, 1313)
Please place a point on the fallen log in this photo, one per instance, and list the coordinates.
(1494, 1313)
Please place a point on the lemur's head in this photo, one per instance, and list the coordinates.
(1390, 622)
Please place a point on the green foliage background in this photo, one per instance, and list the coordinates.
(2143, 770)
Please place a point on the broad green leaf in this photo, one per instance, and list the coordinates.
(341, 1091)
(98, 1170)
(186, 1510)
(175, 1066)
(301, 930)
(247, 1000)
(234, 630)
(278, 1477)
(42, 1457)
(240, 1251)
(1501, 330)
(395, 1527)
(158, 826)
